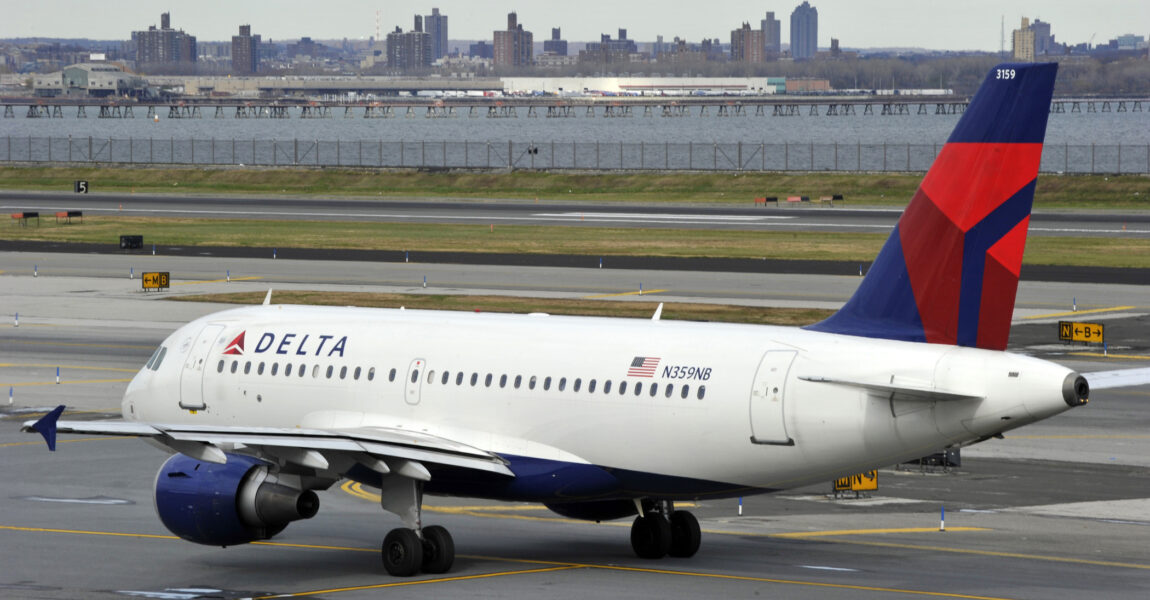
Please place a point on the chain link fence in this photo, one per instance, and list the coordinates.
(550, 156)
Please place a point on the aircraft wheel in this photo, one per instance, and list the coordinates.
(685, 534)
(651, 536)
(402, 552)
(438, 550)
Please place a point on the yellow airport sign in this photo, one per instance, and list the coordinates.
(156, 281)
(863, 482)
(1070, 331)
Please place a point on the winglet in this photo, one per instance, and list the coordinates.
(47, 426)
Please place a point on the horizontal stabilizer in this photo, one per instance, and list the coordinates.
(1101, 380)
(917, 390)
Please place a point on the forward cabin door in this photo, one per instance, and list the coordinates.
(192, 375)
(768, 409)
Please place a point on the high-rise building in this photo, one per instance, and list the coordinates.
(409, 51)
(556, 45)
(1043, 41)
(804, 31)
(245, 52)
(747, 44)
(1023, 42)
(164, 46)
(436, 26)
(772, 36)
(513, 47)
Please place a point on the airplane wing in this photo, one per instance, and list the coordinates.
(381, 449)
(1101, 380)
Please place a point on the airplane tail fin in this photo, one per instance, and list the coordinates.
(949, 272)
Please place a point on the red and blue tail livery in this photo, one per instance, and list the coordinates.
(948, 274)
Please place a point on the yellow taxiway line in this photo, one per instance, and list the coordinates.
(1088, 311)
(634, 293)
(249, 278)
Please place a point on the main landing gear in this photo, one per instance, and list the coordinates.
(413, 548)
(660, 531)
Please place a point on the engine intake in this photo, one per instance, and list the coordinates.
(237, 502)
(1075, 390)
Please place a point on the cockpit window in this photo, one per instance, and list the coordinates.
(157, 358)
(152, 358)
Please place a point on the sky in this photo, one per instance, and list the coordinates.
(933, 24)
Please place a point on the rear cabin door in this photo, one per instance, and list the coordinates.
(768, 409)
(192, 376)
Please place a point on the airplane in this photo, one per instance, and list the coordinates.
(609, 418)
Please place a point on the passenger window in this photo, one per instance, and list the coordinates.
(302, 369)
(547, 383)
(355, 374)
(315, 371)
(654, 389)
(474, 379)
(638, 387)
(235, 364)
(577, 385)
(686, 391)
(702, 392)
(622, 387)
(391, 375)
(591, 387)
(431, 376)
(459, 378)
(220, 367)
(414, 375)
(371, 374)
(670, 388)
(330, 370)
(531, 383)
(287, 370)
(487, 380)
(446, 378)
(275, 368)
(247, 367)
(343, 372)
(562, 383)
(607, 387)
(502, 381)
(260, 369)
(518, 381)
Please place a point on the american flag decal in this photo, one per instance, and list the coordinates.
(643, 366)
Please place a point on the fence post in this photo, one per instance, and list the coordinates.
(763, 154)
(1092, 158)
(714, 156)
(642, 155)
(858, 155)
(786, 156)
(884, 157)
(1119, 156)
(836, 155)
(510, 163)
(596, 155)
(666, 155)
(812, 163)
(908, 156)
(739, 167)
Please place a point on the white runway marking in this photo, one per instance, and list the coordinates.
(822, 568)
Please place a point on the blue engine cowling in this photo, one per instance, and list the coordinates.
(237, 502)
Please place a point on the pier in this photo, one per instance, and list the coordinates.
(536, 106)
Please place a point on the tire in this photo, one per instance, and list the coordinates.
(685, 534)
(651, 536)
(438, 550)
(402, 552)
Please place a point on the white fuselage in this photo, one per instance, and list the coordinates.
(735, 408)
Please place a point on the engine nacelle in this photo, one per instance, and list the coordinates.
(223, 505)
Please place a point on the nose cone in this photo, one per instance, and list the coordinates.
(1075, 390)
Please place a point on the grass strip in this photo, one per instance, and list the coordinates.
(883, 189)
(533, 239)
(677, 311)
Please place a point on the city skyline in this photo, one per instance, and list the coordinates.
(970, 25)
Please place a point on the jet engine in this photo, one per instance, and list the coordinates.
(237, 502)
